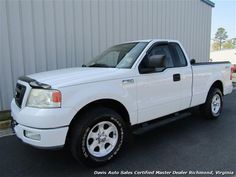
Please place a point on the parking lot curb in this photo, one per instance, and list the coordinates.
(5, 129)
(6, 132)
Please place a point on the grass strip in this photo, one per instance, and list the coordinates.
(5, 115)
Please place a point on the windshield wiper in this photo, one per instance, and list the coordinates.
(99, 65)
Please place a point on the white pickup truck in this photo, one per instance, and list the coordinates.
(93, 108)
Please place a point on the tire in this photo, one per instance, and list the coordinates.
(97, 136)
(212, 108)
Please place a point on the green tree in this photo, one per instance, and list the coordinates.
(228, 45)
(220, 37)
(215, 46)
(234, 42)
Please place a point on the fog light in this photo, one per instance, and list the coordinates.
(32, 135)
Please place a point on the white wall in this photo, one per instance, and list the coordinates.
(224, 55)
(40, 35)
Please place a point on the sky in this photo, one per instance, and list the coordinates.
(224, 15)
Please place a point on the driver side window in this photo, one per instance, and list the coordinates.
(158, 50)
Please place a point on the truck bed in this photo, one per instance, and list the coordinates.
(204, 74)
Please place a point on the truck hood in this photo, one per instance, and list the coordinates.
(80, 75)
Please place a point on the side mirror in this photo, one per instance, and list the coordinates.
(150, 64)
(192, 61)
(156, 61)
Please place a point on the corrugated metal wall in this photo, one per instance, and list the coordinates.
(42, 35)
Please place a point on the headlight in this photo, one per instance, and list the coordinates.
(43, 98)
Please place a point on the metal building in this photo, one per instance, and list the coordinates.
(44, 35)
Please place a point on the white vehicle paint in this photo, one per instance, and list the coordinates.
(145, 96)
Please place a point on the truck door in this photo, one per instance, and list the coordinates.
(159, 91)
(185, 72)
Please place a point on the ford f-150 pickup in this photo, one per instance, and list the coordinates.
(93, 108)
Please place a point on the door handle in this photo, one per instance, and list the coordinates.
(176, 77)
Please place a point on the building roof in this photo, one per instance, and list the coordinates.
(210, 3)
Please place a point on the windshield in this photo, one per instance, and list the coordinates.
(119, 56)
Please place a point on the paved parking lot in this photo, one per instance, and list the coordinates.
(191, 143)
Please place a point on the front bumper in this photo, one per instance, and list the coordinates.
(50, 124)
(49, 138)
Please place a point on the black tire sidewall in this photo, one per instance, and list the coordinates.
(80, 150)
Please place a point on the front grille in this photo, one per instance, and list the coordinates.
(20, 92)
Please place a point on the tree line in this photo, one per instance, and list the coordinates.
(221, 40)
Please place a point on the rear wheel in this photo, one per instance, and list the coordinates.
(213, 106)
(97, 136)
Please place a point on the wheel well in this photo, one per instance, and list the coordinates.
(108, 103)
(218, 84)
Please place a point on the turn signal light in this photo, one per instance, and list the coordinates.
(56, 97)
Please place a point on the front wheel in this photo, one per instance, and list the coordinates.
(212, 108)
(97, 136)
